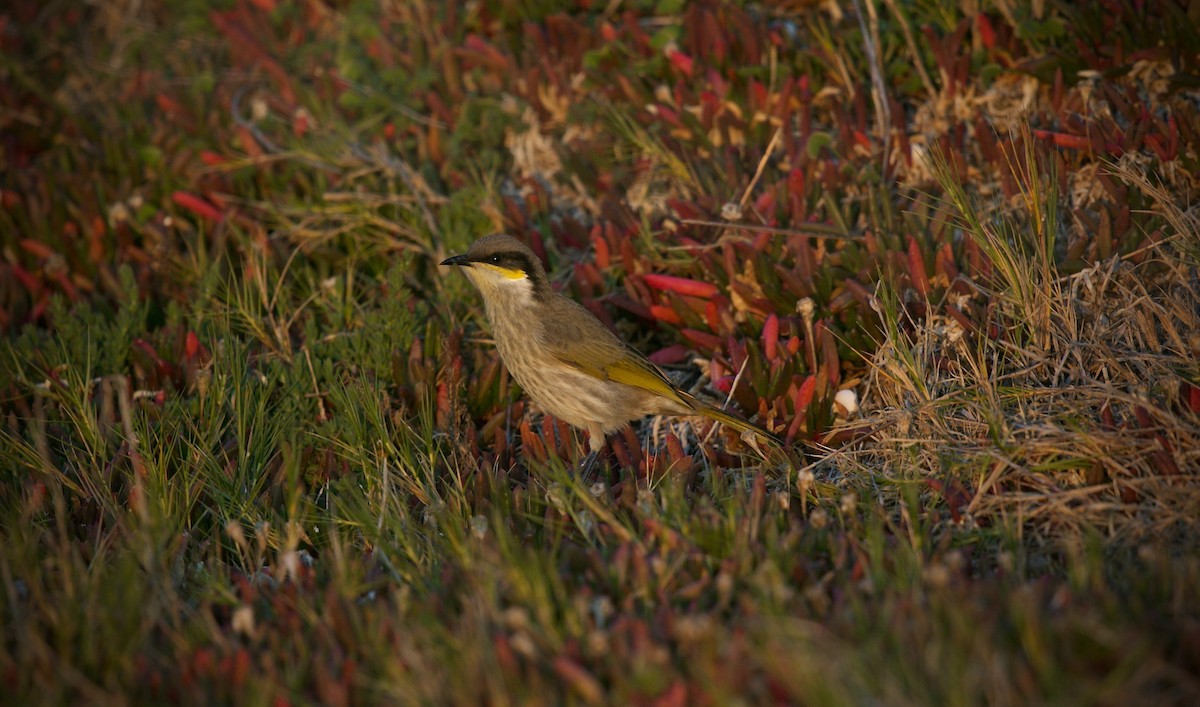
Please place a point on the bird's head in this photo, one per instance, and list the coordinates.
(502, 266)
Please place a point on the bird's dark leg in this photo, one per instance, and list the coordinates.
(596, 438)
(588, 465)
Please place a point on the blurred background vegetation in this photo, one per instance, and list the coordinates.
(257, 448)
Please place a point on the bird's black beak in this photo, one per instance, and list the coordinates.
(457, 260)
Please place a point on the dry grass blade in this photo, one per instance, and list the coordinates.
(1079, 429)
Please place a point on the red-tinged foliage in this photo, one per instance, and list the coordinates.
(665, 314)
(1073, 142)
(478, 52)
(1192, 397)
(712, 315)
(802, 398)
(954, 494)
(234, 26)
(685, 209)
(36, 248)
(9, 199)
(916, 268)
(681, 285)
(831, 362)
(198, 206)
(170, 106)
(607, 32)
(770, 338)
(578, 679)
(958, 316)
(682, 62)
(300, 125)
(600, 245)
(192, 346)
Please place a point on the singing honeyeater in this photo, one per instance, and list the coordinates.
(563, 357)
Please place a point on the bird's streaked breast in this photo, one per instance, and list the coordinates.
(557, 388)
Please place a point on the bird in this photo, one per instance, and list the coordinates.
(568, 362)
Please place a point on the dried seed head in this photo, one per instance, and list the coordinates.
(234, 530)
(936, 575)
(515, 618)
(848, 503)
(597, 643)
(845, 403)
(724, 585)
(118, 213)
(289, 563)
(523, 644)
(805, 481)
(242, 620)
(259, 109)
(806, 307)
(693, 629)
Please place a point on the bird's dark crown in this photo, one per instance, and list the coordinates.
(504, 251)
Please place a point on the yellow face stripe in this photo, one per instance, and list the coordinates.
(508, 273)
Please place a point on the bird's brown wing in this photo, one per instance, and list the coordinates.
(575, 337)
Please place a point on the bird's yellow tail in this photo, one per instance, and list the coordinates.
(736, 423)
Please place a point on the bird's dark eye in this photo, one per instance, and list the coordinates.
(495, 259)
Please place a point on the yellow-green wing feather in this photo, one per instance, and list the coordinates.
(633, 370)
(574, 336)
